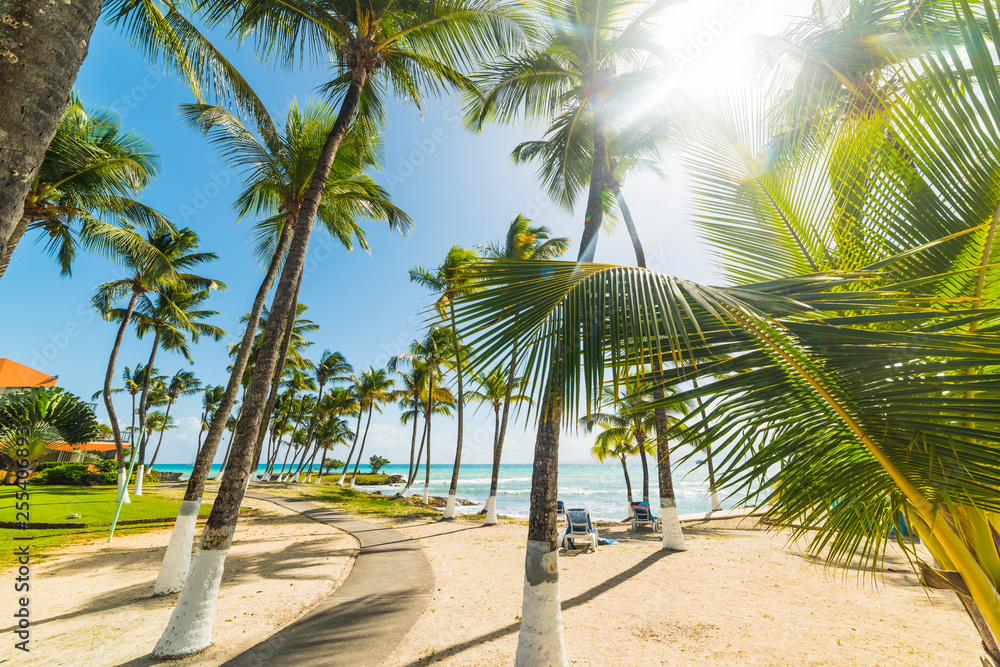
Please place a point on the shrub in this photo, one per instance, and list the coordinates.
(65, 473)
(333, 464)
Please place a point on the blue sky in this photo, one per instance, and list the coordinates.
(459, 188)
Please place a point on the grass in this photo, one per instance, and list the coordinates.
(362, 478)
(96, 505)
(352, 501)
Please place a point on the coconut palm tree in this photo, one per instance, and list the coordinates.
(450, 280)
(614, 443)
(372, 388)
(496, 390)
(183, 383)
(166, 423)
(159, 30)
(332, 367)
(415, 50)
(859, 378)
(93, 172)
(210, 398)
(331, 431)
(173, 259)
(338, 404)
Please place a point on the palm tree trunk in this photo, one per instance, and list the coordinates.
(449, 510)
(354, 475)
(350, 454)
(312, 462)
(413, 440)
(286, 341)
(201, 431)
(540, 640)
(143, 407)
(322, 463)
(716, 506)
(673, 537)
(645, 469)
(225, 457)
(42, 50)
(288, 453)
(160, 441)
(217, 427)
(416, 465)
(427, 463)
(628, 486)
(12, 242)
(108, 376)
(595, 196)
(491, 500)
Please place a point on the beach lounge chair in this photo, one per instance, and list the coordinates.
(579, 531)
(643, 516)
(560, 509)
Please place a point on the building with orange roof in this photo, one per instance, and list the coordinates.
(17, 377)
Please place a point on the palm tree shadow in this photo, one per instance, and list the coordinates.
(575, 601)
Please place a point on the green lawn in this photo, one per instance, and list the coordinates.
(96, 505)
(350, 500)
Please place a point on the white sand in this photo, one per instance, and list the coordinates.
(92, 604)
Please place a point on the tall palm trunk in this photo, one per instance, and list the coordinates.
(350, 454)
(15, 238)
(315, 416)
(673, 537)
(189, 631)
(645, 468)
(716, 505)
(225, 457)
(491, 501)
(413, 440)
(354, 475)
(272, 397)
(427, 463)
(160, 440)
(322, 464)
(43, 47)
(112, 417)
(201, 431)
(288, 452)
(595, 196)
(540, 640)
(628, 485)
(143, 408)
(416, 465)
(449, 510)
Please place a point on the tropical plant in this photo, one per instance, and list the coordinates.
(34, 418)
(333, 430)
(496, 389)
(93, 171)
(371, 388)
(183, 383)
(332, 367)
(451, 280)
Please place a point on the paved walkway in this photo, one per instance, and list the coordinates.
(368, 615)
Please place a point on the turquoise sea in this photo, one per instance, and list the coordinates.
(599, 488)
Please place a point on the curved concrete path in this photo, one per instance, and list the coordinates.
(367, 616)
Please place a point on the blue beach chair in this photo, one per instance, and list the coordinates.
(580, 529)
(642, 515)
(560, 509)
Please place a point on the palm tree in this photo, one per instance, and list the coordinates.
(451, 281)
(210, 398)
(183, 383)
(332, 367)
(869, 390)
(174, 256)
(414, 50)
(174, 315)
(339, 403)
(626, 430)
(158, 30)
(231, 427)
(496, 389)
(331, 431)
(613, 443)
(164, 424)
(92, 170)
(372, 388)
(523, 241)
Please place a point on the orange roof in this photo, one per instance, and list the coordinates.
(13, 374)
(84, 446)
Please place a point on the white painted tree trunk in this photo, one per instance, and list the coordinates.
(190, 626)
(177, 560)
(716, 506)
(123, 485)
(138, 479)
(540, 640)
(340, 482)
(673, 537)
(449, 507)
(426, 496)
(352, 480)
(406, 489)
(491, 511)
(631, 514)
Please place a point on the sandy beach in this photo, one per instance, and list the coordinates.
(92, 603)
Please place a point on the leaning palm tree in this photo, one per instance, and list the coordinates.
(372, 388)
(415, 50)
(174, 256)
(874, 381)
(614, 442)
(210, 398)
(496, 389)
(93, 172)
(450, 280)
